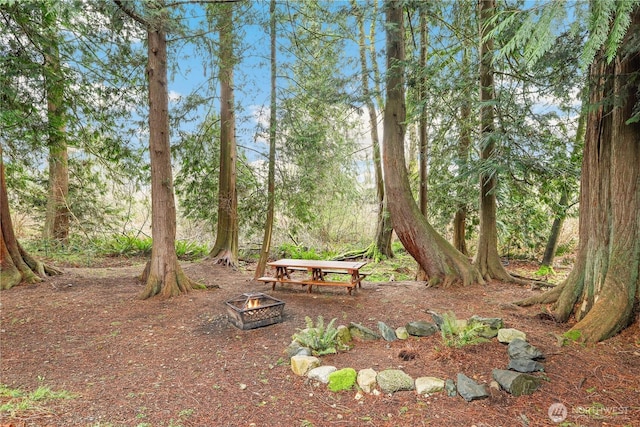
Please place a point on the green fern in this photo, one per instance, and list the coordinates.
(320, 339)
(455, 335)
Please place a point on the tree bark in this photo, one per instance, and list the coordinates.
(487, 259)
(422, 121)
(273, 120)
(560, 215)
(225, 248)
(16, 265)
(423, 152)
(56, 225)
(464, 142)
(603, 286)
(554, 234)
(163, 275)
(443, 264)
(381, 245)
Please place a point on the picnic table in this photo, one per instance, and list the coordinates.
(317, 273)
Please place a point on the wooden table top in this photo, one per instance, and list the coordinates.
(311, 263)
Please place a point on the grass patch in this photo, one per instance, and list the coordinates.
(16, 402)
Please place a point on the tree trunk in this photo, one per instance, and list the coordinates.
(225, 248)
(16, 265)
(163, 274)
(554, 234)
(273, 120)
(558, 220)
(603, 286)
(382, 242)
(443, 264)
(422, 122)
(487, 259)
(423, 199)
(56, 225)
(464, 142)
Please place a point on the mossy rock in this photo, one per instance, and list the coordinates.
(342, 379)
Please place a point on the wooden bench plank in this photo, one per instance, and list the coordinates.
(305, 282)
(362, 275)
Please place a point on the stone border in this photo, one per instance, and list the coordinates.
(515, 379)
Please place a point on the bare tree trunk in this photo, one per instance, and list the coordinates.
(56, 225)
(443, 264)
(422, 127)
(604, 285)
(163, 274)
(384, 230)
(16, 265)
(487, 259)
(225, 248)
(464, 142)
(382, 242)
(422, 123)
(554, 234)
(273, 120)
(558, 220)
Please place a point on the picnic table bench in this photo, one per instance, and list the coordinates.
(318, 271)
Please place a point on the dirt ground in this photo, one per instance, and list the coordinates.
(179, 362)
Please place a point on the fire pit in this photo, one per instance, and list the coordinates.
(253, 310)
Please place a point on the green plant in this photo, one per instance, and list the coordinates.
(572, 335)
(457, 333)
(289, 250)
(20, 402)
(191, 250)
(127, 245)
(545, 270)
(320, 339)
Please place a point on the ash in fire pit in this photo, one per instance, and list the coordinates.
(253, 310)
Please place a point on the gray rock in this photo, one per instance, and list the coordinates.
(437, 318)
(293, 349)
(429, 385)
(516, 383)
(450, 388)
(506, 335)
(366, 380)
(401, 333)
(362, 332)
(525, 365)
(491, 325)
(520, 349)
(492, 322)
(300, 365)
(387, 333)
(392, 380)
(303, 351)
(421, 328)
(321, 373)
(469, 389)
